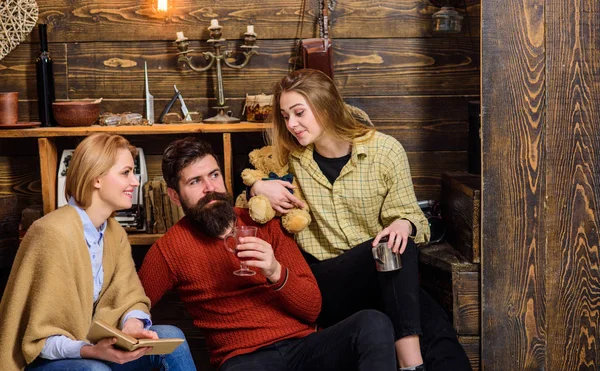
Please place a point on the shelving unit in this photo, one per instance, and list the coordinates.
(143, 238)
(49, 156)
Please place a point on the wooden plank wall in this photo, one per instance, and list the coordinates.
(541, 185)
(414, 84)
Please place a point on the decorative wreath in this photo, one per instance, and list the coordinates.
(17, 19)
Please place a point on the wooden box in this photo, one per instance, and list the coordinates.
(454, 282)
(472, 346)
(461, 212)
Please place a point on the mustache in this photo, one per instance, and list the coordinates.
(213, 196)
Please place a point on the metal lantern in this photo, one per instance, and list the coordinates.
(447, 19)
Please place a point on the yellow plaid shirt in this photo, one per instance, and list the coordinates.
(373, 189)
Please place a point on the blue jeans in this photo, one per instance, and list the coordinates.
(179, 360)
(361, 342)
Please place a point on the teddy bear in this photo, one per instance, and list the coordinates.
(267, 167)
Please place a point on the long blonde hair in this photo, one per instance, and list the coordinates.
(326, 104)
(92, 158)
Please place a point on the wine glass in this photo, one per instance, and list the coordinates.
(236, 234)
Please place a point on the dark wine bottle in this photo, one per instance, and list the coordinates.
(45, 79)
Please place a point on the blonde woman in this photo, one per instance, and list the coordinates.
(358, 186)
(75, 266)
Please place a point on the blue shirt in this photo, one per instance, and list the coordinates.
(60, 346)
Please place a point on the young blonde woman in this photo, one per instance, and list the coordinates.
(358, 186)
(75, 266)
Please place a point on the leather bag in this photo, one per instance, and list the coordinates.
(317, 53)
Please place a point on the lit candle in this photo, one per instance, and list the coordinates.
(162, 5)
(250, 29)
(214, 23)
(180, 36)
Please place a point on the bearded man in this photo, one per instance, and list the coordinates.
(261, 322)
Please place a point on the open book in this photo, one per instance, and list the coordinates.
(101, 330)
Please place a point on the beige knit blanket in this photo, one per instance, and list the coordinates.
(50, 288)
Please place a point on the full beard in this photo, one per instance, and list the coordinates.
(212, 219)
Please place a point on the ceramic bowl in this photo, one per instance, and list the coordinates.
(76, 112)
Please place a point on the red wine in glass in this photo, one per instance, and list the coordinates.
(244, 259)
(236, 234)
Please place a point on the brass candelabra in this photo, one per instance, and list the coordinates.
(217, 58)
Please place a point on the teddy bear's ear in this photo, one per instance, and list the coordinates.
(254, 156)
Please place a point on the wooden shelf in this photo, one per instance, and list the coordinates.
(47, 132)
(143, 238)
(48, 153)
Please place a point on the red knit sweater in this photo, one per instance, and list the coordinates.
(238, 314)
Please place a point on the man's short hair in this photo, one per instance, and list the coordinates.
(181, 153)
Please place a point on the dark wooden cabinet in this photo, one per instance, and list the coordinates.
(461, 204)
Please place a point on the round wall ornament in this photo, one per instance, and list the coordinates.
(17, 19)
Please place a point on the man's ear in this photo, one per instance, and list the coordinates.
(173, 196)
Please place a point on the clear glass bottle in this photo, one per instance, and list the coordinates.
(45, 79)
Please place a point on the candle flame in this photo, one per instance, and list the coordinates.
(162, 5)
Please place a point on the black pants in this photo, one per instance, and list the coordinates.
(361, 342)
(350, 282)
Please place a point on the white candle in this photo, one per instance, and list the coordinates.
(180, 36)
(214, 23)
(250, 29)
(162, 6)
